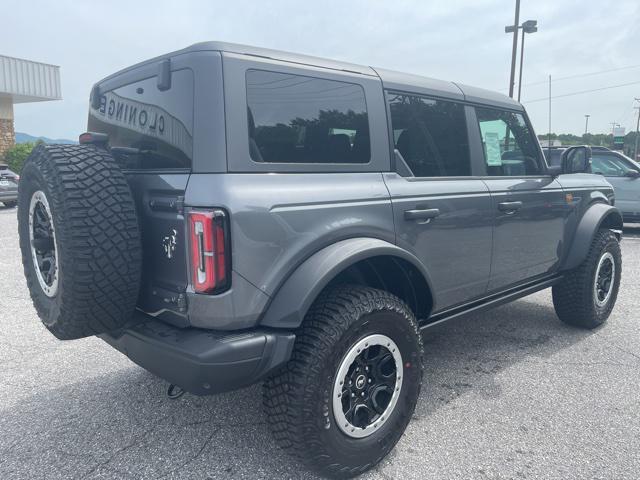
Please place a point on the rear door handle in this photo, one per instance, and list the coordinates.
(421, 214)
(509, 207)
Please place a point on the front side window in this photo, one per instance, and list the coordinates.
(510, 149)
(297, 119)
(609, 165)
(431, 135)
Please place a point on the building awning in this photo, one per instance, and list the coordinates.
(26, 81)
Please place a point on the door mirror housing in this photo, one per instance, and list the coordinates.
(632, 174)
(576, 160)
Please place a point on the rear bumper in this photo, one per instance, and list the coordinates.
(199, 361)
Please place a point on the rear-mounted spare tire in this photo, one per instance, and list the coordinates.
(80, 240)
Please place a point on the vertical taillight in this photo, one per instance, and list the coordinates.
(209, 261)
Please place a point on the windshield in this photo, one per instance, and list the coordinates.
(611, 165)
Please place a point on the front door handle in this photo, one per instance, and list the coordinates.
(421, 214)
(509, 207)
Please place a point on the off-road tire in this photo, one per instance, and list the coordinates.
(297, 398)
(10, 203)
(574, 299)
(97, 239)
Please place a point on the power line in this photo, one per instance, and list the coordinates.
(581, 92)
(580, 75)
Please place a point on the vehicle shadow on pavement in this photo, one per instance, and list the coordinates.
(122, 425)
(468, 354)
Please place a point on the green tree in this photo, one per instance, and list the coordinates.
(16, 155)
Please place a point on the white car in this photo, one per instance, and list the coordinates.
(624, 175)
(621, 172)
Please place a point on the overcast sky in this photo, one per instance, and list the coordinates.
(455, 40)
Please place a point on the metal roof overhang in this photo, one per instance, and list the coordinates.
(27, 81)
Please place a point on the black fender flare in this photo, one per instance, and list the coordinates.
(597, 215)
(293, 299)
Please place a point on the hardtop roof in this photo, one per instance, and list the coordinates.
(405, 82)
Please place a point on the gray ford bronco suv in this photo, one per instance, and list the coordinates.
(236, 214)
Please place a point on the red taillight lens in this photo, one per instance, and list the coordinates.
(209, 261)
(93, 137)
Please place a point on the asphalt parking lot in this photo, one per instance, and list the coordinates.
(511, 393)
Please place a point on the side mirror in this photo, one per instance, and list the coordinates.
(576, 160)
(632, 174)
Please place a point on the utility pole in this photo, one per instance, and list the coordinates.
(514, 49)
(635, 150)
(586, 123)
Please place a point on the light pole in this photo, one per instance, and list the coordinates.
(513, 28)
(530, 26)
(586, 123)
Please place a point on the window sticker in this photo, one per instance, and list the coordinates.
(492, 146)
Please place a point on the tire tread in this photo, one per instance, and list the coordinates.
(97, 236)
(287, 395)
(573, 296)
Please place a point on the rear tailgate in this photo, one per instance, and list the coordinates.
(159, 199)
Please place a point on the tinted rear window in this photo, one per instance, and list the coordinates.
(158, 124)
(298, 119)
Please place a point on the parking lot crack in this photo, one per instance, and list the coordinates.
(200, 451)
(134, 443)
(617, 347)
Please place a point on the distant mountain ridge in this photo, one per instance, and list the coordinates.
(26, 138)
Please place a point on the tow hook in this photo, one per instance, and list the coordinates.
(174, 392)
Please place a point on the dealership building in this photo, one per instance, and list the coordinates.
(23, 81)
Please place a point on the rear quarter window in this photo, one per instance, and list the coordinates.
(306, 120)
(156, 124)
